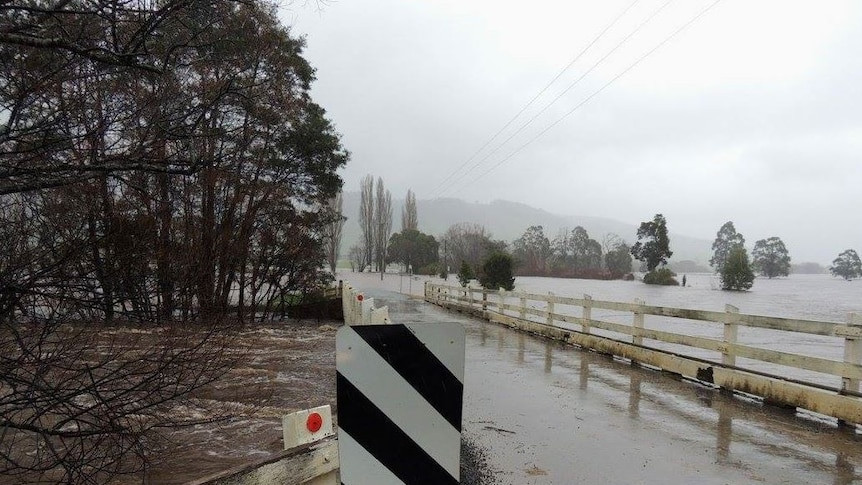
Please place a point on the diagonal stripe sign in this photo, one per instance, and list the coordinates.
(400, 390)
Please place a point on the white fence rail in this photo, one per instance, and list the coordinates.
(843, 403)
(359, 310)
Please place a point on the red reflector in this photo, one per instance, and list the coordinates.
(314, 422)
(360, 297)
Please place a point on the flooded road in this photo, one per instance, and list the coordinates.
(552, 414)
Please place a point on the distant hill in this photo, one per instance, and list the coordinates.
(507, 220)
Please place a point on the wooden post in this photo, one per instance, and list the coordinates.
(852, 355)
(638, 324)
(550, 309)
(588, 313)
(731, 329)
(852, 352)
(484, 299)
(523, 313)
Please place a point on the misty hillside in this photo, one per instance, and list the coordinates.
(507, 220)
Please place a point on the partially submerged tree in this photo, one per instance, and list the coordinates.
(531, 251)
(497, 272)
(771, 258)
(847, 265)
(736, 272)
(618, 260)
(586, 252)
(469, 242)
(653, 244)
(725, 241)
(162, 165)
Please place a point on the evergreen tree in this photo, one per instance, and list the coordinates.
(736, 272)
(497, 272)
(653, 245)
(465, 274)
(725, 240)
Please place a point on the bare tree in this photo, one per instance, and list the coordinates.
(382, 224)
(54, 54)
(468, 242)
(366, 218)
(162, 166)
(610, 241)
(409, 217)
(357, 258)
(334, 230)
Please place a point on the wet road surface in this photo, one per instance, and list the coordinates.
(547, 413)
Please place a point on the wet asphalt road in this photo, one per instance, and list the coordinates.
(538, 412)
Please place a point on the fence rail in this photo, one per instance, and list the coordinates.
(494, 306)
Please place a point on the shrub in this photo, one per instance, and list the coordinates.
(429, 269)
(661, 276)
(497, 272)
(465, 274)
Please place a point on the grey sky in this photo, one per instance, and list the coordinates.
(752, 114)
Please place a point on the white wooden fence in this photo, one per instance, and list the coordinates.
(843, 403)
(359, 310)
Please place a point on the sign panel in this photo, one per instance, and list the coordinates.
(400, 391)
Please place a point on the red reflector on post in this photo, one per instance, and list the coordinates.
(360, 297)
(314, 422)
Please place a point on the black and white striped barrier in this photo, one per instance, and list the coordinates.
(400, 390)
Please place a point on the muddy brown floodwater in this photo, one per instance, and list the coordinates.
(288, 366)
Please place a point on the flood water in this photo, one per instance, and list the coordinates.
(549, 413)
(809, 297)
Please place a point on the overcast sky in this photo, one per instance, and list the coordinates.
(751, 114)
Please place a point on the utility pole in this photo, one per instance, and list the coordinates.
(381, 252)
(445, 258)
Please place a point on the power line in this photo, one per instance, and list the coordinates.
(570, 86)
(597, 92)
(530, 103)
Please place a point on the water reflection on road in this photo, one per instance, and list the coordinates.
(550, 413)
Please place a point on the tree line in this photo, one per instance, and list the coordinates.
(161, 164)
(571, 254)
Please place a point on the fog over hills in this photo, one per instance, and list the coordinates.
(508, 220)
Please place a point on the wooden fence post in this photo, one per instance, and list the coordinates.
(550, 309)
(523, 313)
(852, 355)
(731, 330)
(484, 299)
(852, 352)
(587, 314)
(638, 324)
